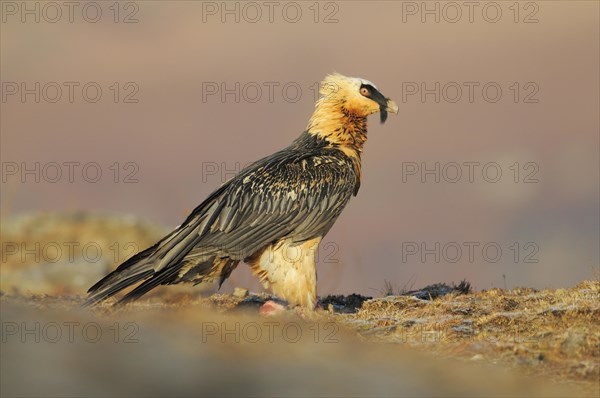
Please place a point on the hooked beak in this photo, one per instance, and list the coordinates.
(392, 107)
(385, 107)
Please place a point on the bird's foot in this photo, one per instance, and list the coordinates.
(271, 308)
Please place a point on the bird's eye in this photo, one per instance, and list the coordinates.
(364, 91)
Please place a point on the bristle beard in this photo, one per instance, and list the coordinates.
(383, 114)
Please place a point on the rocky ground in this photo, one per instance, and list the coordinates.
(438, 340)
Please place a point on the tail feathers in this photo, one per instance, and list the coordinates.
(127, 267)
(136, 269)
(161, 277)
(113, 288)
(148, 266)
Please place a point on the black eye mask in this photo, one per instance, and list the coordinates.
(379, 98)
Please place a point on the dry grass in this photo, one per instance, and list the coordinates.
(550, 332)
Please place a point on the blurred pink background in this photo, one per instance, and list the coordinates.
(181, 143)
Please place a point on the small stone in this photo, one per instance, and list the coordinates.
(477, 357)
(240, 292)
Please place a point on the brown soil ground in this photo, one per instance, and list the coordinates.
(439, 340)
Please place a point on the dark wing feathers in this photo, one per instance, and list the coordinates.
(291, 194)
(286, 200)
